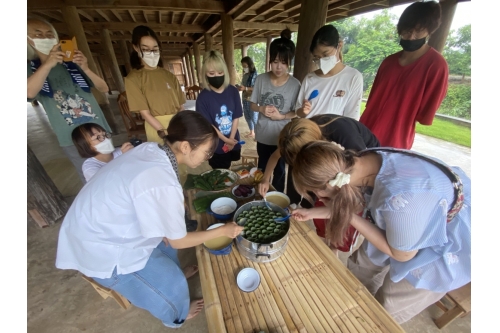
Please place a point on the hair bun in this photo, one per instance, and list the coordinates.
(287, 33)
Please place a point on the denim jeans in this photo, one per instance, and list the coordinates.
(250, 116)
(160, 287)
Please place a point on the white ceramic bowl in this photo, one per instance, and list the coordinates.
(248, 279)
(278, 194)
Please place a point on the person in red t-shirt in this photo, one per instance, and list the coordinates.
(411, 84)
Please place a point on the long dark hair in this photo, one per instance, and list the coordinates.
(249, 62)
(80, 135)
(191, 127)
(282, 48)
(327, 35)
(137, 34)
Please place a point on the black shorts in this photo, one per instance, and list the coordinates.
(223, 161)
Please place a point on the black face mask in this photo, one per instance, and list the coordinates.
(216, 81)
(412, 45)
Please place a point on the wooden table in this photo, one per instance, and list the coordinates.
(307, 289)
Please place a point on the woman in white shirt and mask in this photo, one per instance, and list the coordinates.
(125, 226)
(340, 87)
(95, 144)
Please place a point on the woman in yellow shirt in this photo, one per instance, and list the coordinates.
(152, 90)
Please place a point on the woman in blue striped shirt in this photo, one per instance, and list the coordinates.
(417, 243)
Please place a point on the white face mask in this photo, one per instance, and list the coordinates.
(150, 59)
(326, 64)
(105, 147)
(44, 45)
(246, 70)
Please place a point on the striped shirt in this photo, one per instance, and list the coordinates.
(410, 200)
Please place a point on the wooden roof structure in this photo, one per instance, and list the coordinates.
(179, 23)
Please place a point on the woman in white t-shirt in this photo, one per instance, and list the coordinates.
(124, 227)
(340, 87)
(94, 144)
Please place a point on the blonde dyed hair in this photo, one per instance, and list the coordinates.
(295, 135)
(213, 60)
(316, 164)
(31, 50)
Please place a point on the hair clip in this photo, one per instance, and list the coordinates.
(340, 180)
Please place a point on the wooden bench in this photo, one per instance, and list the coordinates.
(106, 292)
(249, 154)
(461, 300)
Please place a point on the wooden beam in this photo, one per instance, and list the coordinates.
(117, 15)
(268, 56)
(243, 7)
(312, 17)
(128, 26)
(103, 14)
(131, 15)
(159, 16)
(264, 26)
(264, 10)
(243, 40)
(197, 60)
(228, 45)
(209, 42)
(86, 15)
(438, 38)
(110, 53)
(161, 38)
(125, 55)
(53, 15)
(195, 17)
(190, 6)
(244, 51)
(145, 16)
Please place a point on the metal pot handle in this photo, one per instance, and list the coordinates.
(262, 255)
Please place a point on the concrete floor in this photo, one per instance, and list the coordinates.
(60, 301)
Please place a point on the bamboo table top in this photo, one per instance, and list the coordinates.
(307, 289)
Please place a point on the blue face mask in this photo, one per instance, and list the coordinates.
(411, 45)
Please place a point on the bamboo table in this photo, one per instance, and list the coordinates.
(307, 289)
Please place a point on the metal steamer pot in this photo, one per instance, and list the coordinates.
(261, 252)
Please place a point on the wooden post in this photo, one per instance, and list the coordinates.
(312, 17)
(110, 53)
(438, 39)
(185, 72)
(267, 67)
(228, 45)
(46, 204)
(190, 75)
(125, 55)
(75, 28)
(244, 51)
(197, 60)
(209, 42)
(194, 79)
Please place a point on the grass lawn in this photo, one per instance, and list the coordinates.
(442, 129)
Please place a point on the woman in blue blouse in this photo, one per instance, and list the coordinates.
(417, 224)
(246, 87)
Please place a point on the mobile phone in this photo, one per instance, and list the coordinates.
(135, 142)
(68, 47)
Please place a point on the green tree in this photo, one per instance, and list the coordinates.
(368, 42)
(457, 51)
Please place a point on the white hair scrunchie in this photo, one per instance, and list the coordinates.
(340, 180)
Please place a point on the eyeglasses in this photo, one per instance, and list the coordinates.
(409, 33)
(208, 155)
(101, 137)
(148, 52)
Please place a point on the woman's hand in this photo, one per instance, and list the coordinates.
(263, 188)
(306, 107)
(126, 147)
(241, 88)
(277, 116)
(270, 110)
(302, 214)
(232, 230)
(81, 60)
(55, 56)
